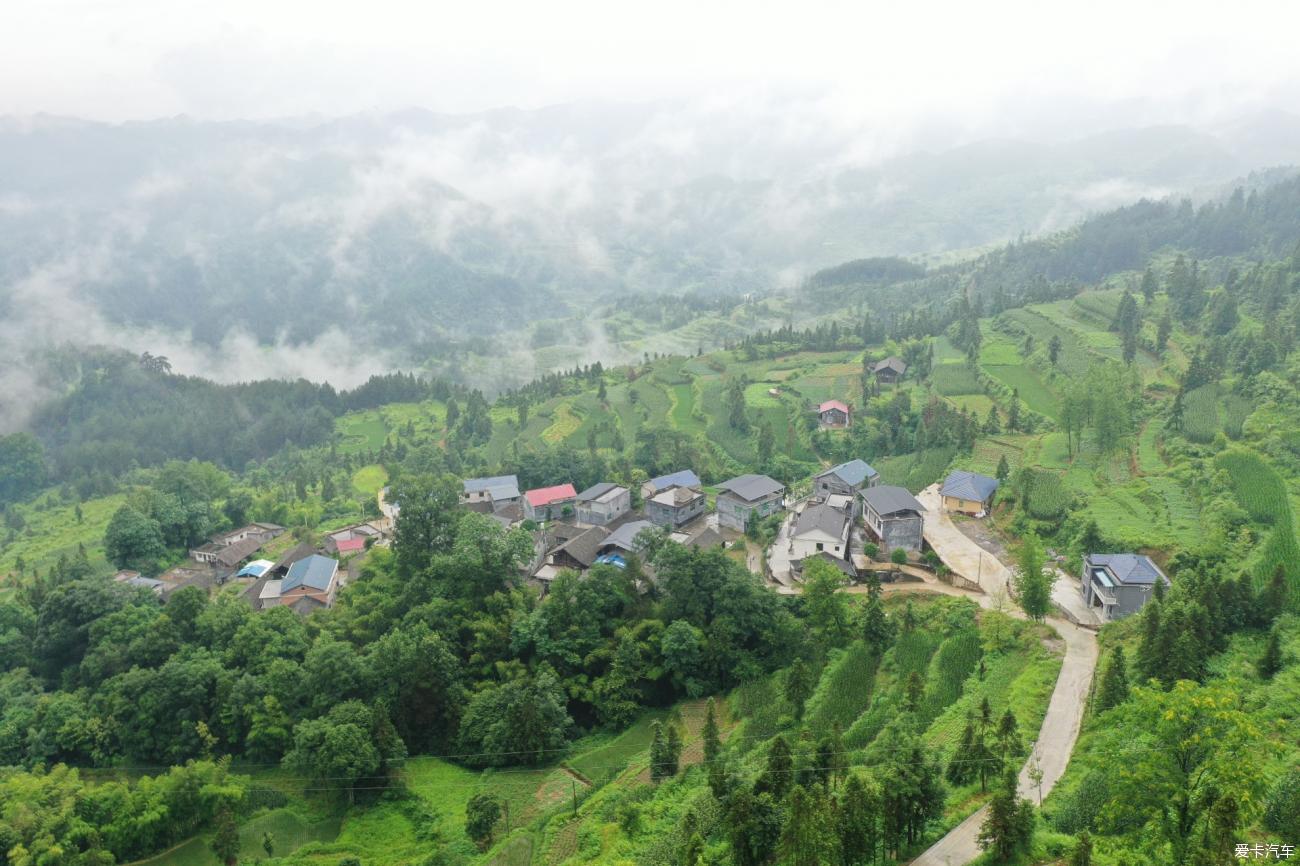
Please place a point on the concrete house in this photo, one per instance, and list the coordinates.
(894, 517)
(675, 506)
(490, 494)
(845, 479)
(834, 415)
(682, 478)
(968, 493)
(602, 504)
(821, 528)
(890, 370)
(1118, 584)
(550, 503)
(748, 497)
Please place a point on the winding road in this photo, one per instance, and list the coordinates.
(1064, 717)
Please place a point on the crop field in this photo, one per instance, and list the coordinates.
(1257, 485)
(683, 414)
(52, 531)
(945, 352)
(1074, 357)
(564, 423)
(1036, 395)
(974, 404)
(954, 380)
(952, 664)
(990, 450)
(844, 691)
(607, 753)
(368, 479)
(997, 350)
(915, 471)
(361, 431)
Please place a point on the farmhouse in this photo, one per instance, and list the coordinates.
(622, 541)
(602, 504)
(821, 528)
(1118, 584)
(889, 370)
(834, 415)
(682, 478)
(310, 583)
(893, 516)
(675, 506)
(549, 503)
(578, 552)
(748, 497)
(968, 492)
(846, 479)
(490, 494)
(228, 549)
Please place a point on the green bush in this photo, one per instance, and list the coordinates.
(1282, 806)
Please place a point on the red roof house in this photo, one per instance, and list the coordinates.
(548, 503)
(834, 414)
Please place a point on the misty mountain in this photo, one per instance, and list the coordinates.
(334, 248)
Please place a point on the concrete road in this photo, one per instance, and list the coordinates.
(961, 554)
(1060, 729)
(1051, 752)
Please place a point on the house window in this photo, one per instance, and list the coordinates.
(819, 545)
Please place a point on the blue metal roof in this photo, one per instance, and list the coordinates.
(970, 486)
(852, 472)
(315, 571)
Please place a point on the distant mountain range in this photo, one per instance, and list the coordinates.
(407, 234)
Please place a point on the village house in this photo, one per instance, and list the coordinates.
(834, 415)
(820, 528)
(682, 478)
(893, 517)
(746, 498)
(676, 506)
(489, 494)
(577, 553)
(1116, 585)
(602, 504)
(968, 493)
(228, 549)
(550, 503)
(309, 584)
(890, 370)
(846, 479)
(622, 541)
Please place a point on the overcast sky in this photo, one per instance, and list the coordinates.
(132, 59)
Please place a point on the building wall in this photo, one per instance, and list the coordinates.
(962, 506)
(802, 548)
(904, 532)
(736, 513)
(664, 515)
(600, 513)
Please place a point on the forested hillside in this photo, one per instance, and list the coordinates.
(680, 709)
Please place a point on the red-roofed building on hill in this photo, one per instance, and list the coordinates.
(345, 546)
(834, 415)
(549, 503)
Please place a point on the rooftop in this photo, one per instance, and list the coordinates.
(602, 492)
(852, 472)
(677, 496)
(682, 478)
(822, 519)
(970, 486)
(315, 572)
(834, 404)
(547, 495)
(1128, 568)
(624, 537)
(898, 365)
(889, 500)
(751, 488)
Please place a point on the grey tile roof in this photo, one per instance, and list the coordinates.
(584, 546)
(684, 478)
(887, 500)
(677, 497)
(316, 572)
(624, 537)
(752, 488)
(233, 554)
(1131, 568)
(970, 486)
(852, 472)
(599, 491)
(822, 518)
(898, 365)
(498, 486)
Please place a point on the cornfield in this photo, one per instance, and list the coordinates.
(1258, 487)
(844, 691)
